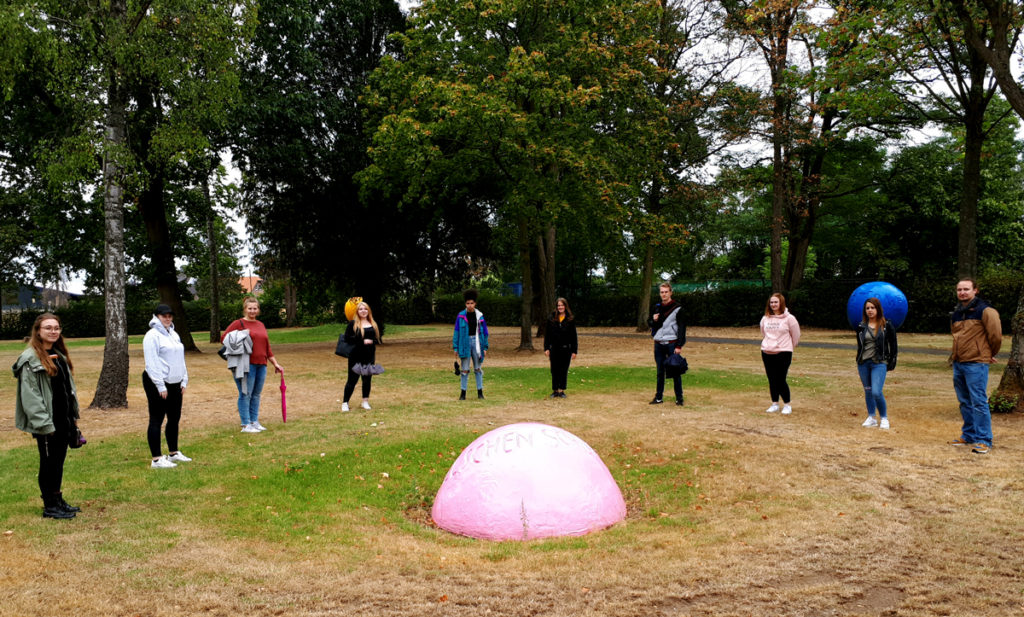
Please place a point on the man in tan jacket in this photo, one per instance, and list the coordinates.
(977, 336)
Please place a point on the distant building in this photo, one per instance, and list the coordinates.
(251, 284)
(35, 297)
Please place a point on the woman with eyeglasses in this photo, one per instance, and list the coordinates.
(46, 406)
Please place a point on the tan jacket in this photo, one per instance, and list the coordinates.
(977, 333)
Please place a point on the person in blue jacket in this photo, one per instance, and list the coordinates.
(469, 340)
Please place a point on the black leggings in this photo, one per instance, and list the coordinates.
(559, 368)
(53, 449)
(159, 408)
(776, 367)
(353, 377)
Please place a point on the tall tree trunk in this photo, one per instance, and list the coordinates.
(974, 137)
(211, 240)
(154, 215)
(780, 184)
(112, 387)
(1011, 384)
(546, 263)
(291, 301)
(525, 271)
(646, 280)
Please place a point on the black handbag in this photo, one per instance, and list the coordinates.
(676, 365)
(343, 348)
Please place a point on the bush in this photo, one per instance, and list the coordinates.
(411, 311)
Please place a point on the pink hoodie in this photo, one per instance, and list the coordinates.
(780, 332)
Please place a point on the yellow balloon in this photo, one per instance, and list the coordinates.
(350, 307)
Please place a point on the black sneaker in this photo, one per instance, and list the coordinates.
(561, 395)
(553, 395)
(679, 402)
(656, 401)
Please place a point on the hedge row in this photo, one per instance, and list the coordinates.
(820, 303)
(817, 304)
(86, 318)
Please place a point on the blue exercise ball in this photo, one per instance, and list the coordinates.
(894, 302)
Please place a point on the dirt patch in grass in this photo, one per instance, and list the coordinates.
(806, 515)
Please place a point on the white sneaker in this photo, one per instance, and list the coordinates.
(870, 422)
(786, 410)
(344, 406)
(366, 405)
(163, 463)
(773, 408)
(180, 457)
(884, 424)
(249, 428)
(259, 427)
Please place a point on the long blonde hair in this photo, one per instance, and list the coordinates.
(358, 323)
(36, 342)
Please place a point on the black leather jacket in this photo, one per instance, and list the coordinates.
(885, 344)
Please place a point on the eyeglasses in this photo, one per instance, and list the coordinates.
(50, 328)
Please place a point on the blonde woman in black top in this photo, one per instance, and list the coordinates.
(364, 334)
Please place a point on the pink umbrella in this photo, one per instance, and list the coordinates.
(284, 405)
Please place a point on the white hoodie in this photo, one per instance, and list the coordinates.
(165, 355)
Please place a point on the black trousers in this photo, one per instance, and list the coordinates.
(353, 377)
(662, 353)
(160, 408)
(560, 360)
(53, 450)
(776, 367)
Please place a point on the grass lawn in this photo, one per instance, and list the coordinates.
(731, 511)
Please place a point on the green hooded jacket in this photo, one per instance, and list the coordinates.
(33, 407)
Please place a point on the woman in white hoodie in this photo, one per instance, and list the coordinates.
(164, 381)
(780, 335)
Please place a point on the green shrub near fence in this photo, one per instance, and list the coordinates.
(816, 304)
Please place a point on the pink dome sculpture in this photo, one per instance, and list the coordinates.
(525, 481)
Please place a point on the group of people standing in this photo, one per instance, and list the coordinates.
(977, 337)
(46, 404)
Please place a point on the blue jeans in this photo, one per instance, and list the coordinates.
(872, 375)
(970, 380)
(478, 363)
(249, 404)
(662, 353)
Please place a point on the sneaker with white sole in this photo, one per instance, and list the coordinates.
(248, 428)
(773, 408)
(883, 424)
(180, 457)
(366, 405)
(870, 422)
(786, 410)
(344, 406)
(259, 427)
(163, 463)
